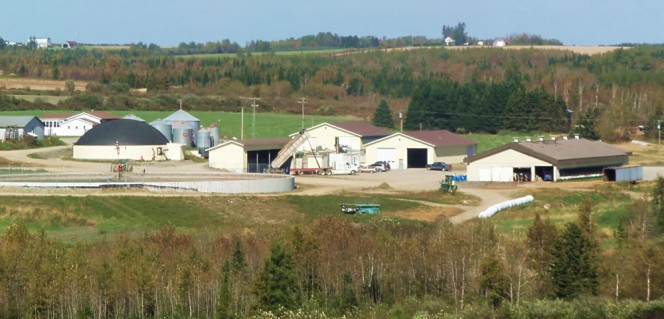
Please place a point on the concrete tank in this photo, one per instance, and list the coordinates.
(203, 138)
(215, 134)
(164, 128)
(182, 135)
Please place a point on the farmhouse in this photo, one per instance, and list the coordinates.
(74, 124)
(16, 127)
(553, 159)
(126, 139)
(245, 156)
(418, 148)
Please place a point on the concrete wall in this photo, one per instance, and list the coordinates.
(231, 157)
(109, 152)
(507, 158)
(325, 135)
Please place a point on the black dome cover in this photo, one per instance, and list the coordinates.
(124, 132)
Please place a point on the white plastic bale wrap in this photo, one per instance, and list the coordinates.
(492, 210)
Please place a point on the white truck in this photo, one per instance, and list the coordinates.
(326, 163)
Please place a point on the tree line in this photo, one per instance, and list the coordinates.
(335, 267)
(620, 89)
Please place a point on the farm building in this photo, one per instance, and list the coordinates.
(553, 159)
(347, 135)
(74, 124)
(42, 43)
(245, 156)
(15, 127)
(418, 148)
(126, 139)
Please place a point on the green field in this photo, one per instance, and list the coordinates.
(267, 125)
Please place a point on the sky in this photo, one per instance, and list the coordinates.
(170, 22)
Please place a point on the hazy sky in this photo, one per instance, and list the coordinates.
(169, 22)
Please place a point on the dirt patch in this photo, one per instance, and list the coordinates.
(428, 214)
(39, 84)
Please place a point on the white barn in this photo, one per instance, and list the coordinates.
(349, 135)
(418, 148)
(552, 159)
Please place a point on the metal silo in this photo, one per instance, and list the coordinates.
(165, 128)
(182, 135)
(182, 119)
(215, 134)
(203, 138)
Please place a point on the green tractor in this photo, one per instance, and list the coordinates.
(448, 185)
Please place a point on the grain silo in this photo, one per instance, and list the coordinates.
(165, 128)
(183, 135)
(215, 134)
(203, 140)
(183, 120)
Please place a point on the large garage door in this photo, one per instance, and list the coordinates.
(417, 158)
(501, 174)
(387, 154)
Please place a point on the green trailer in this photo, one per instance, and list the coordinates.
(368, 209)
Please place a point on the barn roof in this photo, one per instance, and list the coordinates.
(558, 152)
(180, 115)
(124, 132)
(441, 138)
(133, 117)
(19, 121)
(361, 128)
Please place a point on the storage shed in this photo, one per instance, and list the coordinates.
(545, 159)
(15, 127)
(245, 156)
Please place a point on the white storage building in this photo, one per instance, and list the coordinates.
(545, 159)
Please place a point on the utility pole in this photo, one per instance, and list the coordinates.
(401, 122)
(659, 132)
(253, 124)
(303, 102)
(242, 124)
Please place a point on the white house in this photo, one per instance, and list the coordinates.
(449, 41)
(499, 43)
(74, 124)
(42, 43)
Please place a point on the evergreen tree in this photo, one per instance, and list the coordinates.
(658, 203)
(383, 115)
(493, 280)
(276, 287)
(225, 294)
(574, 270)
(540, 240)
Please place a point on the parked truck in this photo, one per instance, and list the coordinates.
(325, 163)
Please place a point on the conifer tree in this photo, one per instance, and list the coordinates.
(574, 270)
(276, 287)
(383, 115)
